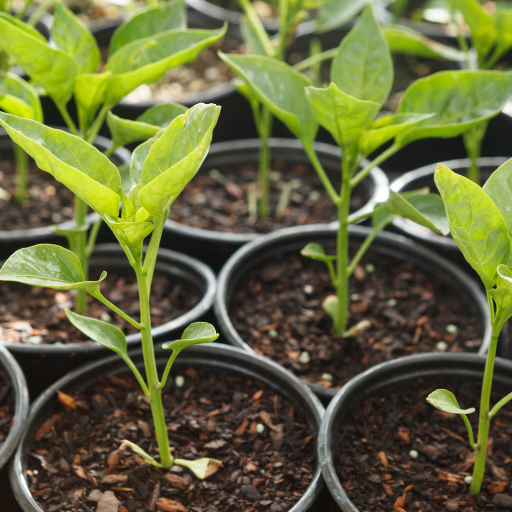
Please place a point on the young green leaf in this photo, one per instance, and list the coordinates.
(125, 131)
(195, 334)
(49, 266)
(89, 93)
(337, 13)
(139, 157)
(81, 167)
(71, 36)
(202, 468)
(315, 251)
(151, 20)
(363, 67)
(162, 115)
(445, 401)
(502, 18)
(250, 37)
(476, 224)
(130, 234)
(139, 451)
(280, 88)
(499, 188)
(19, 98)
(330, 306)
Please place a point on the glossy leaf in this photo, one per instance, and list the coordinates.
(124, 131)
(79, 166)
(162, 115)
(202, 468)
(145, 60)
(195, 334)
(445, 401)
(130, 234)
(49, 266)
(499, 188)
(71, 36)
(89, 93)
(51, 68)
(476, 224)
(176, 156)
(315, 251)
(19, 98)
(149, 21)
(278, 86)
(505, 275)
(337, 13)
(363, 67)
(139, 157)
(459, 99)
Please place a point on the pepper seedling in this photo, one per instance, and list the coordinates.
(142, 49)
(163, 167)
(361, 78)
(481, 224)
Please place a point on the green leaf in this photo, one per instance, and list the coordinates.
(278, 86)
(176, 156)
(459, 99)
(149, 21)
(145, 60)
(330, 306)
(250, 37)
(53, 69)
(71, 36)
(502, 18)
(90, 92)
(445, 401)
(139, 451)
(506, 277)
(130, 234)
(107, 335)
(124, 131)
(363, 67)
(139, 157)
(337, 13)
(316, 252)
(476, 224)
(79, 166)
(202, 468)
(29, 29)
(162, 115)
(49, 266)
(19, 98)
(344, 116)
(499, 188)
(405, 40)
(195, 334)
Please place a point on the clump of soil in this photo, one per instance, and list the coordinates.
(6, 407)
(398, 310)
(37, 315)
(373, 445)
(76, 463)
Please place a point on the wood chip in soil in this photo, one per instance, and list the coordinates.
(6, 407)
(36, 315)
(400, 310)
(373, 462)
(75, 462)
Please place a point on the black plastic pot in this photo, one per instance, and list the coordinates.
(216, 246)
(213, 357)
(387, 245)
(403, 372)
(13, 240)
(43, 364)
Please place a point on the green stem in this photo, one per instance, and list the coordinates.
(4, 61)
(98, 295)
(96, 124)
(361, 251)
(264, 129)
(79, 248)
(316, 59)
(41, 9)
(361, 175)
(168, 368)
(500, 404)
(283, 29)
(152, 252)
(21, 173)
(473, 144)
(67, 118)
(109, 151)
(92, 238)
(326, 182)
(470, 431)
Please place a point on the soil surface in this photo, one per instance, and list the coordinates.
(49, 201)
(76, 463)
(6, 407)
(36, 315)
(375, 468)
(397, 308)
(263, 9)
(218, 200)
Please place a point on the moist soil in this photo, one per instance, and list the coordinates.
(6, 407)
(76, 464)
(217, 200)
(373, 462)
(397, 308)
(49, 201)
(37, 315)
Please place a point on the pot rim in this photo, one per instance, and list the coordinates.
(422, 365)
(15, 374)
(418, 232)
(288, 235)
(202, 270)
(210, 355)
(376, 175)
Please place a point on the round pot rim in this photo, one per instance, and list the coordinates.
(377, 176)
(423, 363)
(210, 352)
(16, 376)
(287, 235)
(164, 255)
(17, 235)
(410, 177)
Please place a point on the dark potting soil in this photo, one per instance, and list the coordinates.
(264, 10)
(373, 462)
(36, 315)
(76, 459)
(217, 200)
(399, 310)
(6, 407)
(49, 201)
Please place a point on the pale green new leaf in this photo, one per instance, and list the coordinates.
(337, 13)
(195, 334)
(363, 67)
(250, 37)
(125, 131)
(139, 157)
(445, 401)
(315, 251)
(19, 98)
(505, 280)
(49, 266)
(476, 224)
(130, 234)
(162, 115)
(499, 188)
(90, 92)
(503, 23)
(79, 166)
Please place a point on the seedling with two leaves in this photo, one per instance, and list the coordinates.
(481, 224)
(163, 167)
(444, 105)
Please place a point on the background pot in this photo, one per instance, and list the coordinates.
(43, 364)
(13, 240)
(401, 372)
(387, 245)
(216, 246)
(212, 357)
